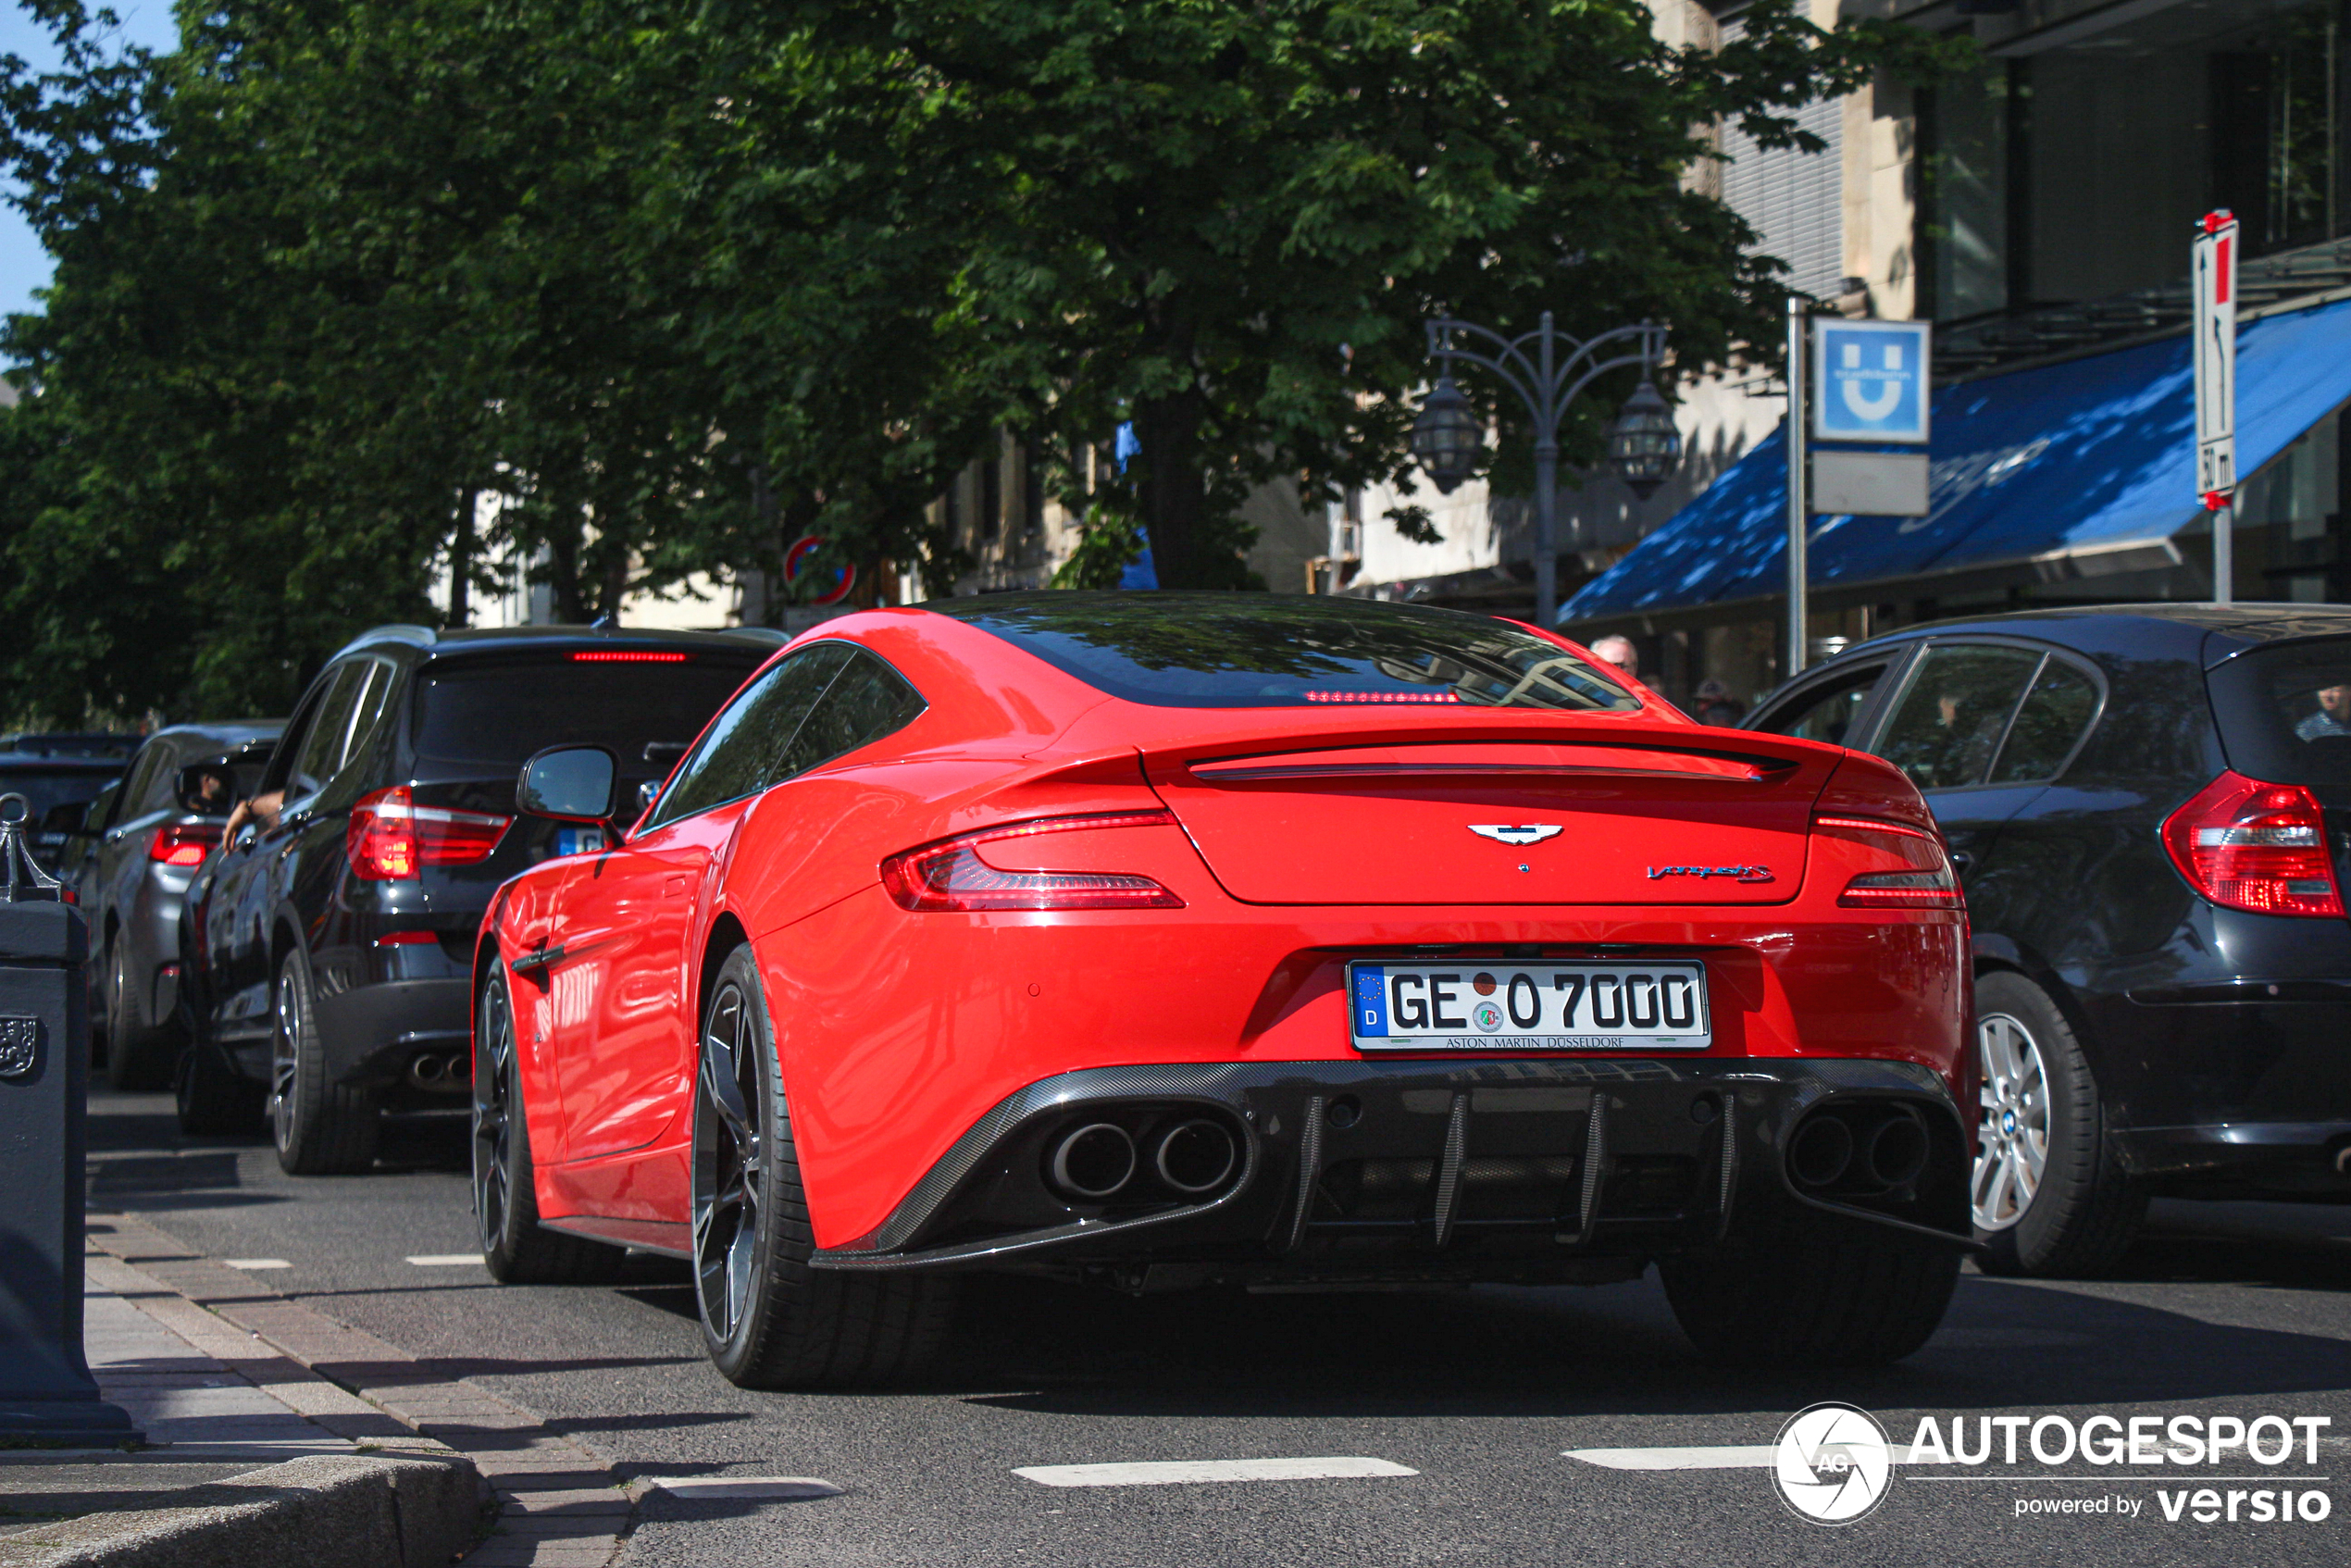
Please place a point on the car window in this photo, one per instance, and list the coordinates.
(2055, 716)
(1954, 711)
(1273, 651)
(141, 792)
(321, 752)
(1827, 712)
(368, 711)
(487, 715)
(2284, 710)
(867, 701)
(746, 743)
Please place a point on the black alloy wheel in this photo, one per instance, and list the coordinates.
(769, 1319)
(320, 1127)
(515, 1246)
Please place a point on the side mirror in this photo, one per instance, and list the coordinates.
(569, 783)
(206, 789)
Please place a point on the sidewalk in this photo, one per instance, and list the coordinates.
(230, 1374)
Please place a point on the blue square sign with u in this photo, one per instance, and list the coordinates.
(1870, 381)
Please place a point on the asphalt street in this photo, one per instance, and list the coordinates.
(2236, 1310)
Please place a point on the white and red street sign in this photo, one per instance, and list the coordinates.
(2215, 337)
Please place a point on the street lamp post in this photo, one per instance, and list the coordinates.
(1643, 442)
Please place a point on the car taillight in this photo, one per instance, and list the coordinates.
(2248, 845)
(951, 876)
(1919, 878)
(391, 836)
(183, 843)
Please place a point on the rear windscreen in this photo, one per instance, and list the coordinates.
(1268, 651)
(2284, 710)
(498, 714)
(47, 789)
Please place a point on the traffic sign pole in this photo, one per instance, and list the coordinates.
(1796, 510)
(2213, 259)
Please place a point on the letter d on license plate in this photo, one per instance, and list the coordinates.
(1481, 1005)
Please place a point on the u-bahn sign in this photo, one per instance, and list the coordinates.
(1870, 381)
(2215, 337)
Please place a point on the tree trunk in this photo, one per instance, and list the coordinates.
(1173, 500)
(563, 569)
(460, 560)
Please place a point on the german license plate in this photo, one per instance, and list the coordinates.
(1476, 1005)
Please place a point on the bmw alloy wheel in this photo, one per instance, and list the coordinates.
(493, 1100)
(730, 1179)
(285, 1064)
(2013, 1150)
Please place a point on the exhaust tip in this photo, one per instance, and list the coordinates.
(1196, 1156)
(426, 1071)
(1821, 1152)
(1093, 1162)
(2343, 1160)
(1897, 1149)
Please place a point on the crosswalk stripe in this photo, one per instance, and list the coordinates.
(1166, 1473)
(769, 1489)
(1745, 1456)
(257, 1262)
(445, 1259)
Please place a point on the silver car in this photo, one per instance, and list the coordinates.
(147, 841)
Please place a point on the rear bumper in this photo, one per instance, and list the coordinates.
(2300, 1159)
(371, 1033)
(1490, 1170)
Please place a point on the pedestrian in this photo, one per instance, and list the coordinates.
(1619, 651)
(1717, 706)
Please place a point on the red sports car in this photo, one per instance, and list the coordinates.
(1167, 940)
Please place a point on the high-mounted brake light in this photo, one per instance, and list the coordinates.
(2248, 845)
(391, 836)
(950, 876)
(1920, 879)
(629, 656)
(183, 845)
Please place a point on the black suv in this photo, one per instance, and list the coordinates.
(2150, 810)
(326, 957)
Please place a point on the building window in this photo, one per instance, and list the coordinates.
(2071, 166)
(1794, 201)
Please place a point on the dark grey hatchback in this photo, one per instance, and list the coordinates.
(2150, 810)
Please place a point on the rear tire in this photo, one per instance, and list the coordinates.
(516, 1248)
(2085, 1210)
(770, 1320)
(214, 1100)
(1830, 1293)
(138, 1056)
(320, 1127)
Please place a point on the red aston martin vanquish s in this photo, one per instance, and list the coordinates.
(1168, 939)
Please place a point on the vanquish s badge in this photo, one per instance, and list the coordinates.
(1737, 872)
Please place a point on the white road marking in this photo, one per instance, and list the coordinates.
(1166, 1473)
(1752, 1456)
(257, 1262)
(770, 1489)
(445, 1259)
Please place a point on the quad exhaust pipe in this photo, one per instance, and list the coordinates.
(1096, 1161)
(1859, 1150)
(439, 1070)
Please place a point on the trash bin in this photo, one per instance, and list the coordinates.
(46, 1393)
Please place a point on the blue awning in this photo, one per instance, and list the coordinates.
(2088, 456)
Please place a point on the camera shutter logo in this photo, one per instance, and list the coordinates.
(1832, 1463)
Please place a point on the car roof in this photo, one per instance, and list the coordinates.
(435, 643)
(2209, 634)
(226, 732)
(23, 762)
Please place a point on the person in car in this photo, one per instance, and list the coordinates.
(1716, 706)
(261, 809)
(2333, 717)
